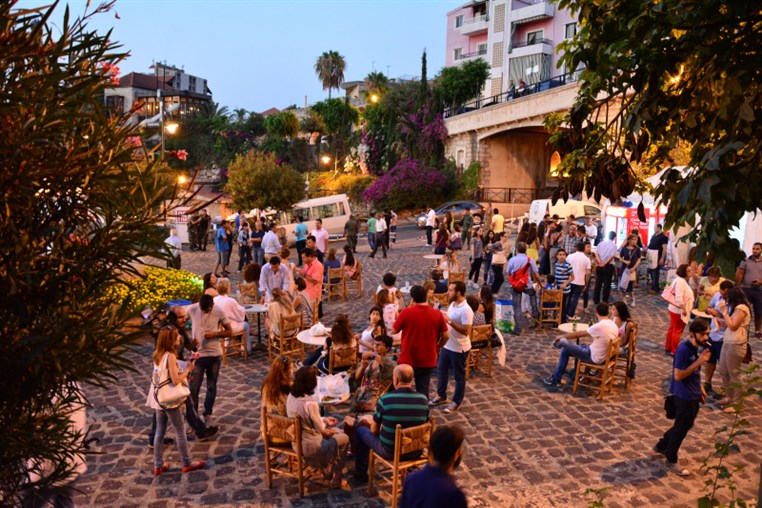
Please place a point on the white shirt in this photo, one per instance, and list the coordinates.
(462, 314)
(321, 239)
(380, 225)
(203, 323)
(580, 266)
(602, 332)
(232, 310)
(431, 218)
(175, 245)
(270, 243)
(606, 249)
(684, 296)
(591, 232)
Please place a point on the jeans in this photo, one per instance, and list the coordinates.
(247, 335)
(457, 362)
(654, 274)
(422, 376)
(175, 417)
(603, 277)
(372, 240)
(429, 230)
(498, 278)
(576, 290)
(380, 241)
(259, 255)
(569, 349)
(365, 441)
(191, 416)
(516, 297)
(244, 256)
(209, 365)
(685, 414)
(476, 267)
(49, 497)
(487, 268)
(300, 246)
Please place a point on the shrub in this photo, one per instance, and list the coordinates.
(408, 185)
(157, 287)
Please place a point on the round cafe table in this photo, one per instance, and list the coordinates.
(258, 309)
(305, 337)
(435, 257)
(700, 314)
(567, 327)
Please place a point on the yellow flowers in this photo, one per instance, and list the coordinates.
(157, 287)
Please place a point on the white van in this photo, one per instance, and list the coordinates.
(333, 210)
(540, 207)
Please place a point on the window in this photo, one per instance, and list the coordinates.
(534, 37)
(457, 53)
(459, 21)
(481, 49)
(325, 211)
(115, 104)
(342, 208)
(192, 83)
(571, 30)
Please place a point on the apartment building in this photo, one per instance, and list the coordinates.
(517, 38)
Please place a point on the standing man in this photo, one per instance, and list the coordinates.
(431, 222)
(381, 230)
(207, 321)
(273, 276)
(749, 278)
(270, 243)
(403, 407)
(604, 268)
(300, 232)
(393, 225)
(570, 241)
(433, 486)
(591, 230)
(351, 229)
(371, 228)
(465, 232)
(717, 333)
(454, 354)
(387, 234)
(424, 330)
(244, 246)
(581, 267)
(203, 229)
(193, 223)
(312, 245)
(657, 256)
(175, 246)
(688, 392)
(312, 273)
(498, 222)
(222, 246)
(564, 276)
(522, 272)
(321, 236)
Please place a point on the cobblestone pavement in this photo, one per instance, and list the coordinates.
(527, 446)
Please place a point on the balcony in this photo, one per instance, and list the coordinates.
(475, 26)
(525, 11)
(464, 57)
(534, 47)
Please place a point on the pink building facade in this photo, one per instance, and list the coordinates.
(517, 38)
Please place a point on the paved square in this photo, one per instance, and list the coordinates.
(527, 446)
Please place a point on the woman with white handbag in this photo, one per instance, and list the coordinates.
(679, 295)
(167, 394)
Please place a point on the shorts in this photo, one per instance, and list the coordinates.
(714, 349)
(754, 295)
(223, 257)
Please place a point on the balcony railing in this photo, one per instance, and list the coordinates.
(524, 44)
(534, 88)
(511, 195)
(473, 54)
(532, 10)
(475, 25)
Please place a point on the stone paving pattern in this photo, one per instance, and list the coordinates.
(527, 446)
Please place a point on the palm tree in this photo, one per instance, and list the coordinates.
(239, 114)
(329, 68)
(376, 83)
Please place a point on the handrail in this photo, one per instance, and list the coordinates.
(476, 19)
(463, 56)
(541, 86)
(511, 194)
(534, 42)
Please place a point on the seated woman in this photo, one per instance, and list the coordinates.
(275, 389)
(376, 328)
(349, 263)
(430, 287)
(449, 263)
(232, 310)
(210, 283)
(250, 285)
(282, 305)
(390, 310)
(440, 286)
(620, 315)
(331, 262)
(302, 303)
(487, 304)
(341, 338)
(323, 445)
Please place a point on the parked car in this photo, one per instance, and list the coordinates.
(456, 208)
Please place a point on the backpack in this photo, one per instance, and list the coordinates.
(520, 278)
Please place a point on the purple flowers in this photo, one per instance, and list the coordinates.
(407, 184)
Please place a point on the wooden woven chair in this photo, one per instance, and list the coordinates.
(336, 289)
(235, 345)
(393, 471)
(442, 299)
(480, 334)
(357, 281)
(551, 303)
(286, 343)
(246, 296)
(603, 379)
(456, 277)
(289, 432)
(344, 357)
(624, 362)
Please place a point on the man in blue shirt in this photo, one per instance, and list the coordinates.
(526, 269)
(222, 246)
(688, 392)
(716, 333)
(433, 486)
(300, 232)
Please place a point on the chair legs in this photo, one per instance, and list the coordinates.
(371, 474)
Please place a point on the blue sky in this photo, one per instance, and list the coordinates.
(259, 54)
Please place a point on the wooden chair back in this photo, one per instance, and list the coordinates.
(624, 362)
(603, 379)
(289, 435)
(344, 357)
(335, 287)
(246, 294)
(481, 335)
(551, 302)
(357, 281)
(235, 345)
(286, 342)
(442, 300)
(456, 277)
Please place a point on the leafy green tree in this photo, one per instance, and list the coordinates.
(658, 74)
(282, 125)
(457, 85)
(257, 180)
(77, 216)
(338, 116)
(376, 83)
(329, 68)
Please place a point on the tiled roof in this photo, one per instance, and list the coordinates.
(146, 81)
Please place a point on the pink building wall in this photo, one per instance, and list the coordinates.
(553, 28)
(454, 37)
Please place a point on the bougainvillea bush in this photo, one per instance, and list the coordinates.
(409, 184)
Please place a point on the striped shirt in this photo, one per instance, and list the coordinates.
(403, 406)
(564, 272)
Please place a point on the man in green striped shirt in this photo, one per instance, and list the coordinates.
(403, 406)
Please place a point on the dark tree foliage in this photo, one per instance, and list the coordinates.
(661, 73)
(455, 86)
(77, 215)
